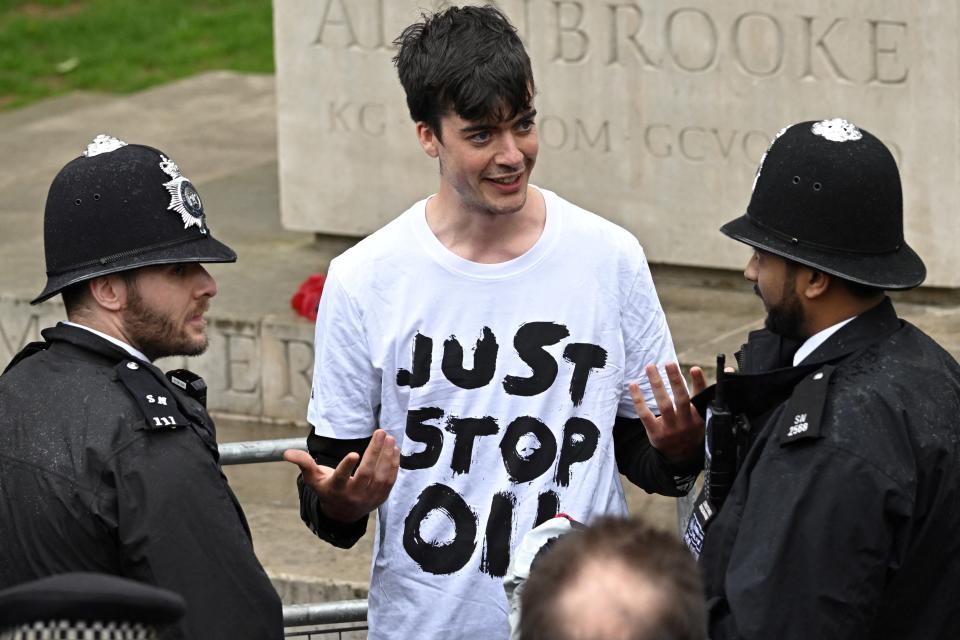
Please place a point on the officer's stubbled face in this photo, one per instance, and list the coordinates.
(774, 281)
(165, 307)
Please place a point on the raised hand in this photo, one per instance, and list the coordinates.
(347, 496)
(678, 432)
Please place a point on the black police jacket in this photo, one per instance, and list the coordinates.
(844, 519)
(105, 466)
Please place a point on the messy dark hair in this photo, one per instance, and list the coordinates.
(468, 59)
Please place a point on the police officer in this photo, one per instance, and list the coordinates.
(87, 605)
(843, 520)
(106, 464)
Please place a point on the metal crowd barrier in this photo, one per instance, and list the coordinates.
(325, 619)
(341, 619)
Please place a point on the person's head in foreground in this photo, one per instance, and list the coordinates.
(618, 579)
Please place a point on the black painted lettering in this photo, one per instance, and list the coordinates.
(419, 431)
(580, 438)
(440, 558)
(419, 374)
(496, 547)
(529, 342)
(548, 506)
(466, 431)
(484, 361)
(585, 358)
(532, 461)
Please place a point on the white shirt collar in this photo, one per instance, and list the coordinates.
(817, 339)
(120, 343)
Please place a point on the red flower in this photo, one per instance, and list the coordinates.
(307, 297)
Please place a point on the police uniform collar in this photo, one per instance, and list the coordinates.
(136, 353)
(86, 340)
(866, 329)
(758, 390)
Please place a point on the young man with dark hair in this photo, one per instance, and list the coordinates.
(843, 517)
(618, 579)
(490, 331)
(107, 465)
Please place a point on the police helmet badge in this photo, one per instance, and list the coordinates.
(103, 144)
(836, 130)
(184, 198)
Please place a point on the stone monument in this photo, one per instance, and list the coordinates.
(653, 114)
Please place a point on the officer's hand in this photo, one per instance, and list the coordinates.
(347, 497)
(678, 432)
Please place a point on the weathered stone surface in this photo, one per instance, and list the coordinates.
(287, 366)
(653, 114)
(21, 323)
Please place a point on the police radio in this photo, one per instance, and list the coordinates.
(721, 462)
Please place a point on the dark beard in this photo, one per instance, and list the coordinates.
(786, 319)
(154, 334)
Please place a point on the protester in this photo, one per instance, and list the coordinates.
(618, 579)
(106, 464)
(843, 520)
(476, 351)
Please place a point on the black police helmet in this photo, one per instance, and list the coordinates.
(827, 195)
(88, 597)
(121, 206)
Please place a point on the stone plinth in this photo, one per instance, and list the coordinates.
(653, 114)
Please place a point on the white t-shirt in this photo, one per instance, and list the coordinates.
(501, 383)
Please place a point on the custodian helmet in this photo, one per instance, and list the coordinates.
(121, 206)
(827, 195)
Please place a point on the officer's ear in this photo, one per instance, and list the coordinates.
(110, 292)
(813, 284)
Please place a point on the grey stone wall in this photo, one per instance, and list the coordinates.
(654, 114)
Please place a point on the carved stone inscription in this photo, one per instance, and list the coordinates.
(648, 111)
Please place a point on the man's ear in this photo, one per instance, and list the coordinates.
(813, 283)
(109, 291)
(428, 139)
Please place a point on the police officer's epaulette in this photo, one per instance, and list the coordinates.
(801, 416)
(26, 352)
(158, 405)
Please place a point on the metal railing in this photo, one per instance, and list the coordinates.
(328, 618)
(317, 619)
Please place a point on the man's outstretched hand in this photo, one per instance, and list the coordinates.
(347, 496)
(678, 432)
